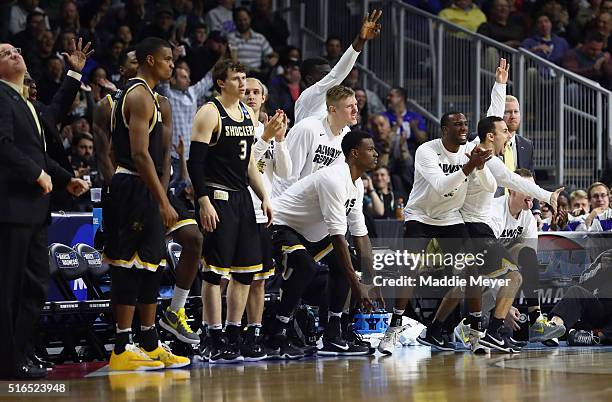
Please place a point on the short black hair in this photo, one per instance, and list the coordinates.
(237, 10)
(81, 136)
(487, 125)
(593, 36)
(309, 64)
(352, 140)
(402, 92)
(220, 70)
(34, 14)
(331, 38)
(445, 120)
(124, 55)
(149, 46)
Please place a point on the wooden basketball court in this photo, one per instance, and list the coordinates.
(414, 373)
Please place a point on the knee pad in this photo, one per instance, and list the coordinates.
(212, 278)
(149, 286)
(243, 278)
(125, 285)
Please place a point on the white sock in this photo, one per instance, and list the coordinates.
(179, 297)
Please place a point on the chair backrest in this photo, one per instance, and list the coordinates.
(173, 250)
(66, 262)
(93, 258)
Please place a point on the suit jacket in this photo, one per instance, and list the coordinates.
(22, 157)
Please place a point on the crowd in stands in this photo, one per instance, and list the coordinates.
(574, 35)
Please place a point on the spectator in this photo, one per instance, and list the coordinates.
(363, 119)
(270, 24)
(197, 38)
(381, 180)
(409, 125)
(64, 39)
(220, 18)
(100, 85)
(603, 25)
(34, 29)
(559, 14)
(372, 203)
(125, 34)
(333, 50)
(35, 57)
(599, 199)
(251, 48)
(52, 77)
(500, 27)
(589, 60)
(68, 17)
(134, 16)
(203, 59)
(19, 14)
(393, 153)
(587, 11)
(183, 98)
(375, 105)
(82, 155)
(161, 26)
(544, 43)
(285, 89)
(110, 61)
(606, 6)
(465, 14)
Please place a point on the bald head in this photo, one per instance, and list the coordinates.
(12, 65)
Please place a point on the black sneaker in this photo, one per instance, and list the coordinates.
(497, 340)
(219, 351)
(551, 343)
(355, 340)
(439, 342)
(581, 337)
(252, 349)
(516, 344)
(298, 339)
(334, 346)
(280, 347)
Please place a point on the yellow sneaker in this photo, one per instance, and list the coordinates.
(165, 355)
(133, 359)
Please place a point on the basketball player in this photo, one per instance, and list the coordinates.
(315, 142)
(272, 159)
(319, 77)
(309, 226)
(221, 168)
(138, 212)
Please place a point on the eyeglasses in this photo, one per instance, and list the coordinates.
(9, 52)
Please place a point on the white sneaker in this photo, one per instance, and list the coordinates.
(461, 332)
(391, 337)
(412, 330)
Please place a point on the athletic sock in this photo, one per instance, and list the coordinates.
(495, 324)
(122, 339)
(149, 340)
(179, 297)
(396, 318)
(475, 320)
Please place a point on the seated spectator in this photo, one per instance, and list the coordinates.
(587, 11)
(409, 125)
(197, 37)
(19, 15)
(201, 60)
(363, 119)
(34, 29)
(372, 203)
(381, 180)
(544, 43)
(125, 34)
(220, 18)
(249, 47)
(82, 154)
(465, 14)
(51, 79)
(589, 60)
(500, 27)
(270, 24)
(285, 89)
(375, 105)
(162, 25)
(62, 43)
(393, 153)
(600, 217)
(333, 50)
(35, 56)
(603, 25)
(69, 18)
(559, 15)
(111, 60)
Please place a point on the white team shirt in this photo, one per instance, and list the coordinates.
(440, 186)
(602, 222)
(272, 157)
(322, 204)
(311, 146)
(311, 102)
(506, 226)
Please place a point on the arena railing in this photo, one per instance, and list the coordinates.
(446, 67)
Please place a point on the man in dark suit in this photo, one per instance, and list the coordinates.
(27, 176)
(53, 114)
(519, 150)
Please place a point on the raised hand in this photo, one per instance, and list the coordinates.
(501, 74)
(554, 197)
(370, 27)
(77, 55)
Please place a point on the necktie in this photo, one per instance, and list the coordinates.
(509, 159)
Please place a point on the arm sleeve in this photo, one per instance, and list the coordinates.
(282, 160)
(315, 95)
(63, 98)
(513, 181)
(425, 163)
(298, 142)
(355, 218)
(498, 100)
(260, 148)
(595, 226)
(332, 197)
(487, 181)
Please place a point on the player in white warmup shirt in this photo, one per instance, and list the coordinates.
(271, 156)
(310, 222)
(315, 142)
(319, 77)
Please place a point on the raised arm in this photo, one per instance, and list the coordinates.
(498, 93)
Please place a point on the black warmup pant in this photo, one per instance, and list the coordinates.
(24, 275)
(580, 304)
